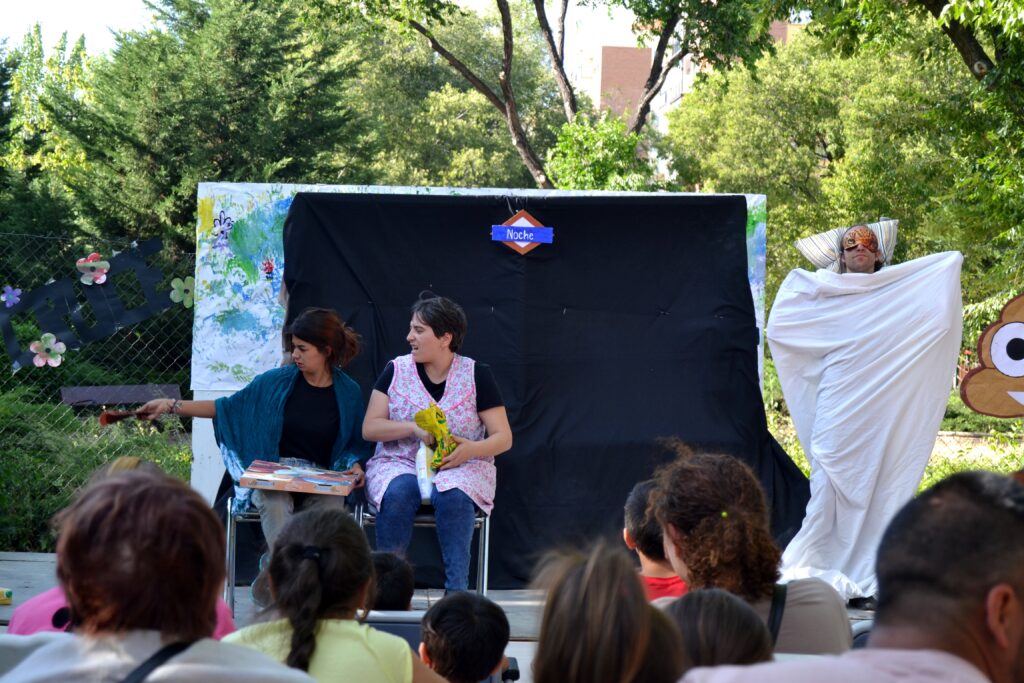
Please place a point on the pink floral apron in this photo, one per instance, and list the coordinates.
(407, 395)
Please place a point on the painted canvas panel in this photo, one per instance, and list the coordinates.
(757, 247)
(240, 264)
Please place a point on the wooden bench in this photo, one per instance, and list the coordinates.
(117, 394)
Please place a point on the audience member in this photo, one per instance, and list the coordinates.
(951, 595)
(719, 628)
(715, 521)
(642, 535)
(464, 638)
(321, 578)
(49, 610)
(394, 581)
(597, 625)
(140, 558)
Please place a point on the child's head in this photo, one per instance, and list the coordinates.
(642, 531)
(597, 624)
(320, 568)
(141, 551)
(464, 637)
(720, 628)
(394, 582)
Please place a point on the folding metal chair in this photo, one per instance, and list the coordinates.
(366, 515)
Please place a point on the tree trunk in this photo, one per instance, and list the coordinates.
(660, 68)
(557, 57)
(971, 51)
(506, 107)
(515, 125)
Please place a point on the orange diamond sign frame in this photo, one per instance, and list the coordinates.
(522, 218)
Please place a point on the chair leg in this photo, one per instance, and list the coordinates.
(359, 516)
(229, 584)
(483, 556)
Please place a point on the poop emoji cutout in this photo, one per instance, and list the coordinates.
(996, 387)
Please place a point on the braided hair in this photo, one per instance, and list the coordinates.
(320, 568)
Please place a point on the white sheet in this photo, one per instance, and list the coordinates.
(866, 363)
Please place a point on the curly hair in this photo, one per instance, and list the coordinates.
(717, 507)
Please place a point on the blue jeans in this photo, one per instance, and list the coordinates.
(454, 512)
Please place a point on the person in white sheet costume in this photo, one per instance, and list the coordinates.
(866, 358)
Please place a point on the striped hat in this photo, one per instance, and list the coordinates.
(823, 251)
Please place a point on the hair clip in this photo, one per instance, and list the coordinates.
(311, 552)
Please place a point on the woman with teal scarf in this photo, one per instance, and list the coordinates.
(309, 413)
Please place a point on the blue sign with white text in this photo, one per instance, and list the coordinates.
(522, 233)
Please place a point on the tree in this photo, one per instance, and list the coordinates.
(36, 146)
(713, 32)
(834, 140)
(599, 154)
(217, 90)
(988, 36)
(429, 127)
(988, 39)
(33, 204)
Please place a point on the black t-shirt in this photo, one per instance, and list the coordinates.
(311, 423)
(487, 393)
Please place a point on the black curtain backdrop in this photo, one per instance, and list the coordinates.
(636, 323)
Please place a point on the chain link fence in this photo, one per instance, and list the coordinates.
(125, 337)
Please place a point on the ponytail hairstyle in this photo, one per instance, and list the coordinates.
(320, 568)
(719, 522)
(597, 625)
(322, 328)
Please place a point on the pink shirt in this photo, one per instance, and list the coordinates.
(36, 615)
(407, 395)
(871, 665)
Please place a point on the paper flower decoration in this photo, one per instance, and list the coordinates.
(182, 290)
(11, 296)
(48, 351)
(93, 269)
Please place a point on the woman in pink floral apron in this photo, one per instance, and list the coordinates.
(468, 395)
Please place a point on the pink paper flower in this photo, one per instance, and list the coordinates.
(93, 269)
(48, 351)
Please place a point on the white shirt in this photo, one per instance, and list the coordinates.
(871, 665)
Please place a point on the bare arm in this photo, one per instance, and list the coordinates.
(498, 440)
(160, 406)
(377, 426)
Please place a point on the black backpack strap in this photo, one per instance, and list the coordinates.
(775, 614)
(159, 657)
